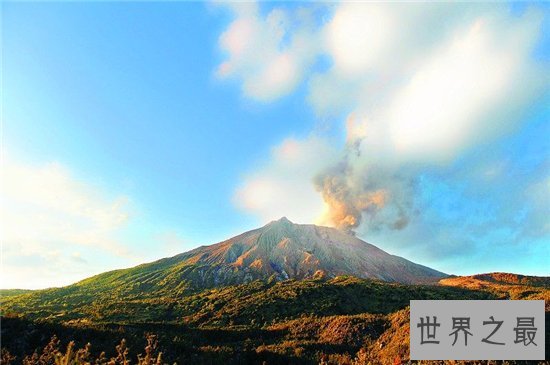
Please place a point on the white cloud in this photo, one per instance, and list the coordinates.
(269, 54)
(357, 35)
(283, 187)
(453, 98)
(425, 83)
(403, 72)
(49, 219)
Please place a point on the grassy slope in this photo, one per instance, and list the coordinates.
(254, 303)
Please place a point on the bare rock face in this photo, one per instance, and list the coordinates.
(284, 250)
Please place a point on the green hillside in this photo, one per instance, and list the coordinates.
(254, 303)
(13, 292)
(166, 278)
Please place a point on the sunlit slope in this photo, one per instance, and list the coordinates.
(288, 250)
(505, 285)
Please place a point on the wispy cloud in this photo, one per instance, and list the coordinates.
(49, 217)
(267, 53)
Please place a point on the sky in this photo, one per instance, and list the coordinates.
(133, 131)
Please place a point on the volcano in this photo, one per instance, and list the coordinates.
(348, 297)
(285, 250)
(278, 251)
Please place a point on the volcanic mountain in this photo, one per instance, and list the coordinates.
(285, 250)
(272, 254)
(190, 302)
(277, 251)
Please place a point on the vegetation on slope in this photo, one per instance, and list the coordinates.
(255, 303)
(344, 320)
(505, 286)
(339, 340)
(13, 292)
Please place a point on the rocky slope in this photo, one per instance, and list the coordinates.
(286, 250)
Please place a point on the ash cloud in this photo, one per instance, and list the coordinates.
(358, 192)
(414, 115)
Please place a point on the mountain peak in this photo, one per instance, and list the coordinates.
(288, 250)
(283, 221)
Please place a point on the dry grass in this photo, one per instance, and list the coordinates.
(52, 355)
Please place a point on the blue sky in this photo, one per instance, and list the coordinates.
(133, 131)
